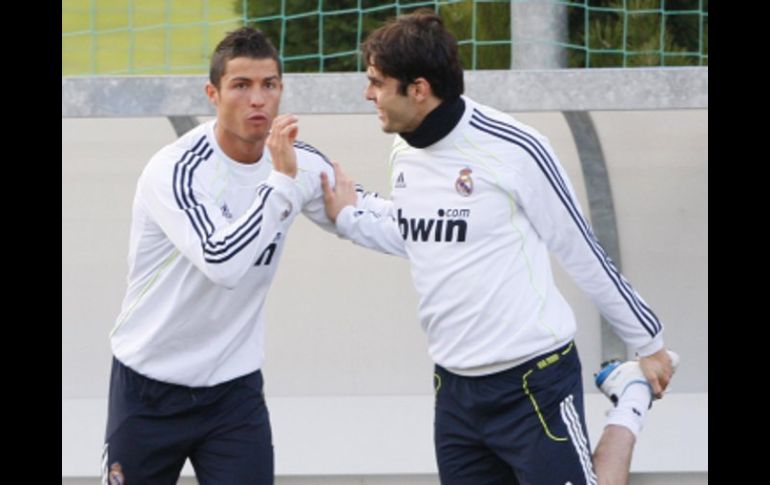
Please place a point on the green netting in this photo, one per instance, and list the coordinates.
(177, 36)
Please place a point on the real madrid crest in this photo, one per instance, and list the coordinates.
(115, 476)
(464, 183)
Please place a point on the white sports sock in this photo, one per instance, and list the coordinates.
(631, 410)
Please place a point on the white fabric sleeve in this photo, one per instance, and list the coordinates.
(542, 189)
(369, 224)
(372, 202)
(314, 208)
(371, 230)
(190, 217)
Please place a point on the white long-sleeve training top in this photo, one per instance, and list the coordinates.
(476, 213)
(206, 237)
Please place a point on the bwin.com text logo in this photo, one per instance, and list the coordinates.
(450, 226)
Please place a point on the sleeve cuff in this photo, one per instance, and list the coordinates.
(345, 221)
(652, 347)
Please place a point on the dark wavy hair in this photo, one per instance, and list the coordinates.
(244, 42)
(413, 46)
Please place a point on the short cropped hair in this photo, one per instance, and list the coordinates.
(413, 46)
(244, 42)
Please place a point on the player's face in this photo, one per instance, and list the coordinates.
(247, 99)
(397, 112)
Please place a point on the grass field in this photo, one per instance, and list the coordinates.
(142, 36)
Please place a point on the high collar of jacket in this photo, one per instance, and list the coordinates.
(437, 124)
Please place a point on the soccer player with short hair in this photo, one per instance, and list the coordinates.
(478, 201)
(210, 218)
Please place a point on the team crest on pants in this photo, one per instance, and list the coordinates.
(115, 476)
(464, 183)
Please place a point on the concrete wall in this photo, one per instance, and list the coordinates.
(342, 321)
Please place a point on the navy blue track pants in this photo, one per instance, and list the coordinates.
(521, 426)
(153, 427)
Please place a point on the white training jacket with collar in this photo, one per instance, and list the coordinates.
(476, 213)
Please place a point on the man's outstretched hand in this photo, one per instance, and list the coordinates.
(657, 369)
(343, 193)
